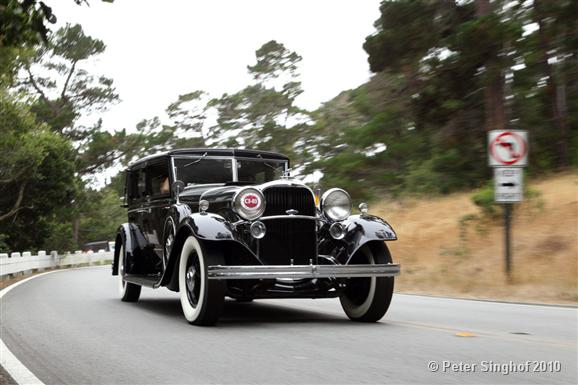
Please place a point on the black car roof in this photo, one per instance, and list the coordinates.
(212, 152)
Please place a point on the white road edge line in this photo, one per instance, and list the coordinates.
(20, 373)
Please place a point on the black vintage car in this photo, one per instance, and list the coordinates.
(211, 223)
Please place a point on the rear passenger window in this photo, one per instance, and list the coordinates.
(158, 176)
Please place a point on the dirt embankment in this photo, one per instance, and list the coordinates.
(446, 247)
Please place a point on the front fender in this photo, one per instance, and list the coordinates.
(210, 227)
(205, 227)
(361, 229)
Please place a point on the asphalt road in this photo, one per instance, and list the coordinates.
(70, 328)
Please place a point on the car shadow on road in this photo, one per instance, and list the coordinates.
(236, 313)
(260, 312)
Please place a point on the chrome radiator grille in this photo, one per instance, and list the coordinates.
(289, 239)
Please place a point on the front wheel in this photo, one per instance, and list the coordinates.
(367, 299)
(202, 299)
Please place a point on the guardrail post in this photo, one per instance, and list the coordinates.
(41, 254)
(3, 259)
(15, 255)
(28, 261)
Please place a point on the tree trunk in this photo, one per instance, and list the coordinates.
(482, 7)
(494, 108)
(561, 119)
(75, 229)
(556, 88)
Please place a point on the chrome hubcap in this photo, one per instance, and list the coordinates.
(191, 278)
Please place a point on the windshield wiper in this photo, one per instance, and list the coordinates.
(196, 161)
(268, 165)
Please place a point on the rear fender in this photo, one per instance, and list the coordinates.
(133, 240)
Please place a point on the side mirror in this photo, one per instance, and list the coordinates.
(178, 186)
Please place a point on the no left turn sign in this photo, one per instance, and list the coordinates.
(508, 148)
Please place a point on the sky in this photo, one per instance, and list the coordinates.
(157, 50)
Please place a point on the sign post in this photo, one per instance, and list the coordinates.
(508, 155)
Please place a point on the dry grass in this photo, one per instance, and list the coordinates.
(442, 254)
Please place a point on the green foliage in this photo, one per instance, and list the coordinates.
(36, 175)
(406, 30)
(63, 90)
(72, 44)
(101, 216)
(43, 151)
(437, 63)
(484, 199)
(263, 115)
(4, 248)
(60, 236)
(274, 61)
(23, 22)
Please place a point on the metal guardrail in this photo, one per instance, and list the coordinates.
(15, 263)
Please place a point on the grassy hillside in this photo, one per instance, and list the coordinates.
(447, 247)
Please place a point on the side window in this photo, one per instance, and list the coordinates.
(136, 185)
(158, 179)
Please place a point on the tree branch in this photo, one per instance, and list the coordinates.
(65, 88)
(15, 177)
(16, 206)
(99, 162)
(38, 89)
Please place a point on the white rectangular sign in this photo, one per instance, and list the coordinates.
(508, 148)
(508, 184)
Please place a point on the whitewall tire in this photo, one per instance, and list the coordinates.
(129, 292)
(202, 299)
(367, 299)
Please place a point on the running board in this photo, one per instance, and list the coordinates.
(302, 271)
(142, 280)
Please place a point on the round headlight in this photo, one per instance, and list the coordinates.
(336, 204)
(249, 203)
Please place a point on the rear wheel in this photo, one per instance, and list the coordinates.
(202, 299)
(129, 292)
(367, 299)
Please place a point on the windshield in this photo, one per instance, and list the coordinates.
(202, 170)
(259, 170)
(206, 170)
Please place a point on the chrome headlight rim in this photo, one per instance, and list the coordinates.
(327, 210)
(243, 210)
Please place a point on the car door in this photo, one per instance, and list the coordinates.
(158, 203)
(136, 190)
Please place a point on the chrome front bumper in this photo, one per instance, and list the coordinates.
(302, 271)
